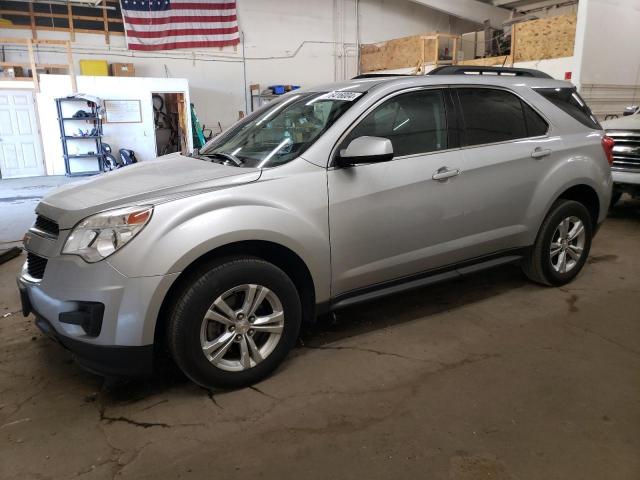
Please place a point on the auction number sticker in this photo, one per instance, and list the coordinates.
(344, 96)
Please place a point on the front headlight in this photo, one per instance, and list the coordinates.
(98, 236)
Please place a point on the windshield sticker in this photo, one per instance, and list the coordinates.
(344, 96)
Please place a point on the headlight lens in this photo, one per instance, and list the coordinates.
(98, 236)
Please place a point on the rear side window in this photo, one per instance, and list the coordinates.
(536, 125)
(415, 122)
(492, 115)
(568, 100)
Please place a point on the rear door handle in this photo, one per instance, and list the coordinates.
(540, 152)
(444, 172)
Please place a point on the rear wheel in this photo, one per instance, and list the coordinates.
(234, 322)
(562, 246)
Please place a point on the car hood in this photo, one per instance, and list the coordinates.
(147, 182)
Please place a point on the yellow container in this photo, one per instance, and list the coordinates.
(96, 68)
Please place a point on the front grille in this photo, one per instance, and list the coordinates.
(36, 265)
(626, 151)
(46, 226)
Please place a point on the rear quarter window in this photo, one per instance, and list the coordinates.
(568, 100)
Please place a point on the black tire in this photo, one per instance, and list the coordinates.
(537, 265)
(198, 293)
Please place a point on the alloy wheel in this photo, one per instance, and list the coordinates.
(567, 244)
(242, 327)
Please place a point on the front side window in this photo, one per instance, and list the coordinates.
(280, 132)
(492, 116)
(415, 122)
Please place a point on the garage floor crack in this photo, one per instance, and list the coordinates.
(262, 392)
(109, 420)
(606, 339)
(371, 350)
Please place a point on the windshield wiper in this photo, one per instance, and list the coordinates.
(227, 156)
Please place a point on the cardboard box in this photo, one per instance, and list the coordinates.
(123, 70)
(96, 68)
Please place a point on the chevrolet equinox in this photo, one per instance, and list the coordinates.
(321, 199)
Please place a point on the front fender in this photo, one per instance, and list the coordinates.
(181, 231)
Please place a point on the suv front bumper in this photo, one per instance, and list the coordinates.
(105, 319)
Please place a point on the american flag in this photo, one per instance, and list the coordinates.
(171, 24)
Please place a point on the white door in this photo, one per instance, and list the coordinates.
(20, 149)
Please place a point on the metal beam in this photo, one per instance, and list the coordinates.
(529, 4)
(472, 10)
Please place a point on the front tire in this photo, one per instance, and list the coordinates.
(233, 322)
(562, 245)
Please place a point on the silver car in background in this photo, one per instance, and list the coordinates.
(322, 199)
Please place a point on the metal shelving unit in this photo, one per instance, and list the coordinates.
(71, 159)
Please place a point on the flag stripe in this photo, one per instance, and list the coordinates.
(134, 29)
(176, 45)
(180, 19)
(182, 32)
(220, 5)
(200, 6)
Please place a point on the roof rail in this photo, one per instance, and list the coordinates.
(477, 70)
(381, 75)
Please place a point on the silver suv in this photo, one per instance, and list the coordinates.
(320, 200)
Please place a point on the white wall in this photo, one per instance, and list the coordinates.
(139, 137)
(608, 53)
(387, 19)
(303, 42)
(556, 67)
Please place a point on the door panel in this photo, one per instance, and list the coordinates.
(392, 219)
(20, 149)
(389, 220)
(499, 184)
(502, 132)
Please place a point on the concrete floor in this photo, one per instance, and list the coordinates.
(486, 378)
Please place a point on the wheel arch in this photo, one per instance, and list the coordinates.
(282, 257)
(587, 196)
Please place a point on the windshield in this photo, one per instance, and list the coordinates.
(280, 132)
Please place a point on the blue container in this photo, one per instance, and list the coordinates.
(277, 89)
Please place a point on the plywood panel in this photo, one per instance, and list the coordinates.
(405, 52)
(397, 53)
(550, 37)
(503, 60)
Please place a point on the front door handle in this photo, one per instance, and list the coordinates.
(540, 152)
(444, 172)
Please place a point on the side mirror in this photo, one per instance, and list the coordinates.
(366, 150)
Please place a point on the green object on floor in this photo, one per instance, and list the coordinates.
(196, 129)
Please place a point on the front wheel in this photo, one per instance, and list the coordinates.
(562, 246)
(234, 322)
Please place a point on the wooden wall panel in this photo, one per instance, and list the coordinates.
(405, 52)
(504, 60)
(551, 37)
(397, 53)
